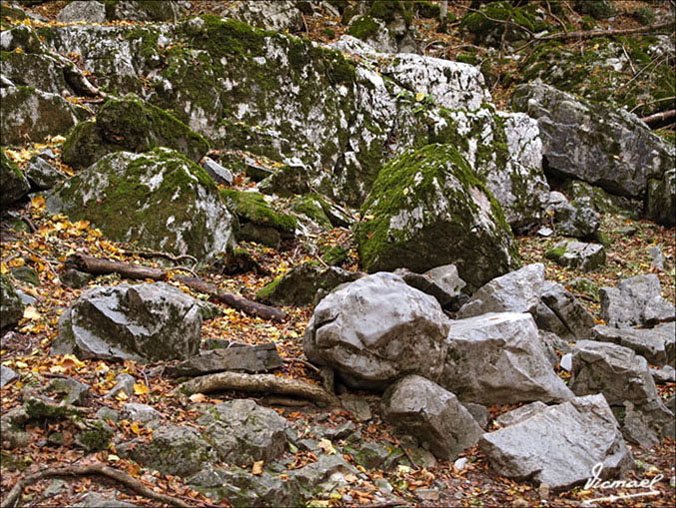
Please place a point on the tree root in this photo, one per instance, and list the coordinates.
(93, 469)
(266, 383)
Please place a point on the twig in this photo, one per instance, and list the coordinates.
(659, 117)
(303, 362)
(307, 31)
(432, 44)
(549, 10)
(31, 226)
(408, 455)
(590, 34)
(49, 265)
(651, 103)
(631, 64)
(158, 254)
(93, 469)
(185, 269)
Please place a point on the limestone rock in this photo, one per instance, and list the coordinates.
(271, 15)
(7, 375)
(575, 219)
(159, 199)
(661, 200)
(599, 144)
(657, 345)
(529, 449)
(427, 198)
(425, 410)
(143, 413)
(144, 322)
(143, 10)
(42, 175)
(498, 358)
(89, 12)
(520, 414)
(242, 432)
(517, 291)
(11, 308)
(441, 282)
(220, 175)
(237, 357)
(579, 255)
(636, 301)
(377, 329)
(15, 186)
(575, 318)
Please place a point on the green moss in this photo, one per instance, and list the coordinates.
(226, 37)
(363, 27)
(311, 206)
(13, 13)
(598, 9)
(252, 207)
(264, 293)
(95, 437)
(335, 256)
(149, 40)
(555, 253)
(388, 10)
(481, 23)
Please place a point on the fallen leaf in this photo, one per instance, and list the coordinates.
(257, 468)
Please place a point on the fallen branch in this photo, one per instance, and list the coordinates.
(302, 362)
(93, 469)
(659, 117)
(99, 266)
(590, 34)
(159, 254)
(266, 383)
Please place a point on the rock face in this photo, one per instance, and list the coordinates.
(583, 256)
(11, 308)
(35, 114)
(539, 447)
(159, 199)
(90, 12)
(243, 432)
(130, 124)
(433, 415)
(636, 301)
(661, 199)
(144, 322)
(657, 345)
(377, 329)
(428, 198)
(499, 359)
(15, 186)
(598, 144)
(517, 291)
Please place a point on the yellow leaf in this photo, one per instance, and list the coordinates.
(419, 96)
(121, 395)
(20, 364)
(140, 388)
(3, 268)
(17, 262)
(73, 359)
(30, 313)
(257, 468)
(134, 428)
(38, 202)
(56, 369)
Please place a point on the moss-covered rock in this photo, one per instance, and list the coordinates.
(310, 205)
(160, 199)
(15, 185)
(252, 207)
(600, 200)
(33, 70)
(94, 436)
(11, 308)
(145, 10)
(85, 145)
(428, 208)
(385, 26)
(661, 199)
(598, 9)
(485, 24)
(23, 38)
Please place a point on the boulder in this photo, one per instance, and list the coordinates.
(661, 199)
(130, 124)
(441, 282)
(599, 144)
(143, 413)
(598, 199)
(578, 255)
(220, 175)
(376, 330)
(123, 383)
(143, 10)
(143, 322)
(428, 198)
(237, 357)
(425, 410)
(577, 321)
(498, 358)
(42, 175)
(15, 186)
(636, 301)
(539, 447)
(28, 113)
(35, 70)
(159, 199)
(520, 414)
(242, 432)
(665, 375)
(89, 12)
(327, 474)
(174, 449)
(386, 26)
(11, 308)
(657, 345)
(575, 219)
(276, 15)
(517, 291)
(69, 391)
(300, 285)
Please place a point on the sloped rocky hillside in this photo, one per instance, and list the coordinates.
(337, 252)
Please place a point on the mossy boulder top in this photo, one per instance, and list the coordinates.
(160, 199)
(428, 208)
(599, 144)
(130, 124)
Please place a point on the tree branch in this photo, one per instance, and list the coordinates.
(658, 117)
(590, 34)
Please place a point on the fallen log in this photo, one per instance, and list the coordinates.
(100, 266)
(265, 383)
(93, 469)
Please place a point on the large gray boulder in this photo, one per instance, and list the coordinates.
(570, 318)
(143, 322)
(425, 410)
(11, 308)
(425, 200)
(89, 12)
(517, 291)
(15, 186)
(159, 199)
(376, 330)
(636, 301)
(578, 255)
(661, 199)
(599, 144)
(657, 345)
(499, 358)
(560, 445)
(243, 432)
